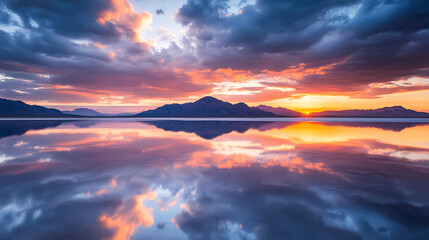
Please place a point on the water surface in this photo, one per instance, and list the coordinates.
(72, 179)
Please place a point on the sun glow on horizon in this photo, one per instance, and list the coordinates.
(305, 104)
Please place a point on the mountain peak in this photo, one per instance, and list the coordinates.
(207, 99)
(241, 104)
(394, 108)
(78, 109)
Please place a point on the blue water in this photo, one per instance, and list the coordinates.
(214, 179)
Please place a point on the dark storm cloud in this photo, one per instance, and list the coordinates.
(39, 49)
(68, 18)
(358, 42)
(368, 41)
(26, 56)
(67, 41)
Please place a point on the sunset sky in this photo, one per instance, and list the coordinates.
(132, 55)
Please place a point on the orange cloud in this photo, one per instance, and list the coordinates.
(208, 76)
(112, 54)
(113, 183)
(298, 72)
(129, 22)
(101, 192)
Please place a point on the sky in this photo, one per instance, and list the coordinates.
(133, 55)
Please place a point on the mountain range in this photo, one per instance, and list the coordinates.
(87, 112)
(391, 112)
(204, 107)
(284, 112)
(11, 108)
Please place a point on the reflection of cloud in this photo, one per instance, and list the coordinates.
(285, 189)
(410, 153)
(166, 199)
(101, 192)
(207, 159)
(113, 183)
(14, 214)
(129, 216)
(159, 12)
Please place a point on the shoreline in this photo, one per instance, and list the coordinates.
(226, 119)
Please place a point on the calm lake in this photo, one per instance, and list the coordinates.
(112, 179)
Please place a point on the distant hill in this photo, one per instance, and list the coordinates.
(206, 107)
(87, 112)
(11, 108)
(284, 112)
(386, 112)
(84, 112)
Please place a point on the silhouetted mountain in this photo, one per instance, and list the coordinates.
(11, 108)
(84, 112)
(284, 112)
(87, 112)
(386, 112)
(122, 114)
(206, 107)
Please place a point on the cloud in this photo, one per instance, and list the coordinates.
(97, 48)
(129, 216)
(364, 41)
(160, 12)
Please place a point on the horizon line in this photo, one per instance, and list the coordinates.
(305, 112)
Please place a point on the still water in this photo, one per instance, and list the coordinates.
(213, 180)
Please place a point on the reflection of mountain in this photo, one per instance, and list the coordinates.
(212, 129)
(11, 128)
(272, 186)
(85, 124)
(386, 112)
(206, 107)
(10, 108)
(392, 126)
